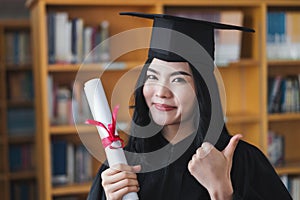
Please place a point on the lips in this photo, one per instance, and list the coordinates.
(164, 107)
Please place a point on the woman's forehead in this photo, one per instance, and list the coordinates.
(161, 65)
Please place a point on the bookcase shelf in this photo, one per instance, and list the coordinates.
(291, 168)
(18, 68)
(243, 63)
(283, 117)
(71, 189)
(3, 177)
(97, 67)
(21, 139)
(283, 63)
(20, 103)
(240, 118)
(22, 175)
(71, 129)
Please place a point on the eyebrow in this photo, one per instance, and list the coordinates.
(172, 74)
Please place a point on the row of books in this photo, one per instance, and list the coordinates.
(284, 94)
(20, 87)
(17, 47)
(70, 40)
(227, 42)
(20, 121)
(65, 107)
(70, 163)
(283, 39)
(275, 148)
(23, 190)
(21, 157)
(292, 183)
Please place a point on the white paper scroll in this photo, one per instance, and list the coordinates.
(101, 112)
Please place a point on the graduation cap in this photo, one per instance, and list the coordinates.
(200, 31)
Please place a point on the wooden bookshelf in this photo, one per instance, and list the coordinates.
(71, 189)
(9, 71)
(291, 168)
(245, 81)
(22, 175)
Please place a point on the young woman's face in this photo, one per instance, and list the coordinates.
(169, 92)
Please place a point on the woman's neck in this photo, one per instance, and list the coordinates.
(175, 133)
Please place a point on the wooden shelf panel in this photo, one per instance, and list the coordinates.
(94, 3)
(91, 67)
(21, 139)
(241, 63)
(283, 117)
(11, 23)
(18, 67)
(3, 176)
(284, 63)
(235, 118)
(20, 103)
(22, 175)
(71, 189)
(70, 129)
(291, 168)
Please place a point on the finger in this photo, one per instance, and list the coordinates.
(204, 150)
(122, 167)
(110, 179)
(122, 184)
(229, 150)
(120, 193)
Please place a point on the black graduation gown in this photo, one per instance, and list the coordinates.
(253, 177)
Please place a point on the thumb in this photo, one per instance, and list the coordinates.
(136, 168)
(229, 150)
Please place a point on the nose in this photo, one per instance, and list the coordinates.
(163, 91)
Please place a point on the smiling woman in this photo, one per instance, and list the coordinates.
(170, 158)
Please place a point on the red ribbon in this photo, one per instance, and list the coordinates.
(112, 137)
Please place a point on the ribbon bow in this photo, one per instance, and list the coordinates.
(110, 129)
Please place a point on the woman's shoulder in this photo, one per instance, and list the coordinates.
(250, 155)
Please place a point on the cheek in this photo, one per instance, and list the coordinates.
(186, 100)
(147, 92)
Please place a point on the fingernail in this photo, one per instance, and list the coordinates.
(206, 147)
(137, 168)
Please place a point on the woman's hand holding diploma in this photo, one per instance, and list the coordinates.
(119, 180)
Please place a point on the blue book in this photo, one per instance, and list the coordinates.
(51, 37)
(59, 162)
(15, 158)
(16, 48)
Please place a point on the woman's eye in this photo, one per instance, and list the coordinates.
(151, 77)
(179, 80)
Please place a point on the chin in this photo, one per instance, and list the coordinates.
(163, 121)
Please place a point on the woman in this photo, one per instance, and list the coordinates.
(173, 101)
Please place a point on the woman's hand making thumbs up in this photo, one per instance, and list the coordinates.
(212, 168)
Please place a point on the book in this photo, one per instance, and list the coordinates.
(20, 121)
(59, 162)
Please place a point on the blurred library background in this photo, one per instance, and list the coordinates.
(42, 108)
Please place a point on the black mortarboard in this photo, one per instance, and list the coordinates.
(199, 30)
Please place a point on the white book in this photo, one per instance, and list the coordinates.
(70, 162)
(87, 44)
(50, 98)
(68, 43)
(61, 21)
(79, 37)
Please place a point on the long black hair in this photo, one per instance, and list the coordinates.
(141, 117)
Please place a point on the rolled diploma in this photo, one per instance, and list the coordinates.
(100, 110)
